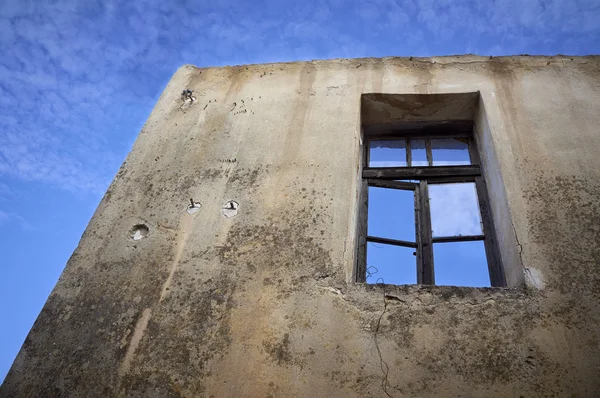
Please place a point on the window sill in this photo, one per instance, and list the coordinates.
(428, 295)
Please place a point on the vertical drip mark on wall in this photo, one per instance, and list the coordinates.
(377, 72)
(301, 111)
(181, 241)
(142, 322)
(138, 333)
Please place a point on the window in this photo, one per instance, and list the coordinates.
(424, 212)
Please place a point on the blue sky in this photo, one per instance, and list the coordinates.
(79, 78)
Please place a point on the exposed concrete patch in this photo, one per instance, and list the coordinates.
(534, 278)
(333, 290)
(228, 160)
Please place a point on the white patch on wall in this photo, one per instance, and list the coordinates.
(193, 207)
(534, 278)
(230, 209)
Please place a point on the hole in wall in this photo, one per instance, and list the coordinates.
(230, 209)
(187, 95)
(139, 231)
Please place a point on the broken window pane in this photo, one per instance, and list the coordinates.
(418, 153)
(461, 264)
(387, 153)
(454, 210)
(450, 151)
(391, 213)
(390, 264)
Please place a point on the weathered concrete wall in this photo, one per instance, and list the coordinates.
(261, 304)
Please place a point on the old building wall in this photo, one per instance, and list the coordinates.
(263, 303)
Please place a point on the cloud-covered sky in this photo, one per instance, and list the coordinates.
(79, 78)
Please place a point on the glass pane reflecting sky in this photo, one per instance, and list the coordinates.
(387, 153)
(391, 213)
(461, 264)
(450, 151)
(454, 209)
(418, 153)
(391, 264)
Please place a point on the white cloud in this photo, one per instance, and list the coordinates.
(8, 219)
(368, 11)
(5, 191)
(454, 210)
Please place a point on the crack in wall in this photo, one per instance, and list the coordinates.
(383, 364)
(518, 243)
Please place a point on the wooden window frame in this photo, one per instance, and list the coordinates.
(426, 175)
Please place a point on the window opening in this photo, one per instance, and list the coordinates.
(425, 212)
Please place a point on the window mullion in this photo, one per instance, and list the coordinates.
(427, 276)
(418, 228)
(497, 277)
(408, 153)
(428, 149)
(361, 267)
(460, 238)
(473, 155)
(406, 186)
(388, 241)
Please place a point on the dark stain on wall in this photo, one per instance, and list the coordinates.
(279, 351)
(566, 203)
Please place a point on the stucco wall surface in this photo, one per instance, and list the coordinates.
(263, 304)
